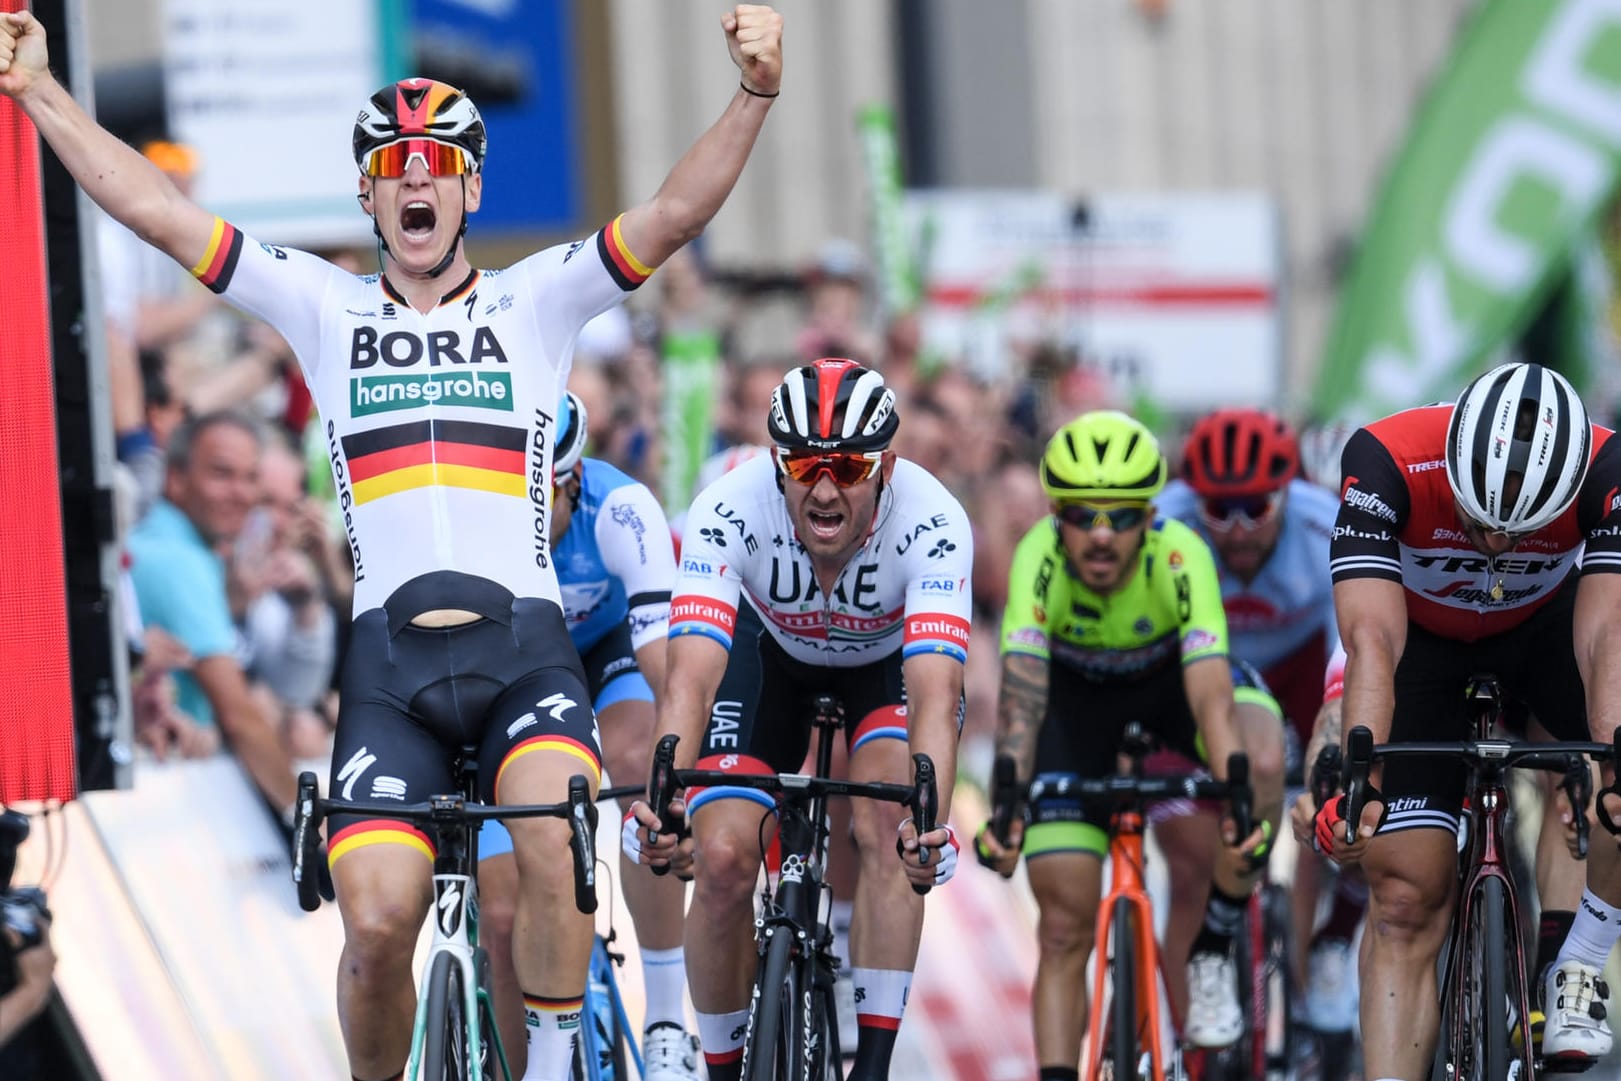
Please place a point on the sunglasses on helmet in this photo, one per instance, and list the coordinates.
(440, 159)
(1090, 516)
(1223, 515)
(846, 469)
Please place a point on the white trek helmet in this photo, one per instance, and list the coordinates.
(1518, 420)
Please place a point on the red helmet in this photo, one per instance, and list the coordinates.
(1239, 452)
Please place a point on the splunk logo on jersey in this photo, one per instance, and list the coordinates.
(403, 349)
(384, 393)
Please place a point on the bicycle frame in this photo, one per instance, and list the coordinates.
(1488, 760)
(455, 932)
(1126, 883)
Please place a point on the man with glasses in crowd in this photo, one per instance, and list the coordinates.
(829, 567)
(1114, 615)
(439, 388)
(1460, 533)
(1241, 491)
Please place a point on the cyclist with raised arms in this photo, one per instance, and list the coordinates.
(615, 564)
(439, 388)
(831, 567)
(1460, 527)
(1114, 615)
(1241, 491)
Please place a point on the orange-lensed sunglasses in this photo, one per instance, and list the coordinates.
(846, 469)
(440, 159)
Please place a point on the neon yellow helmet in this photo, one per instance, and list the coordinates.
(1104, 454)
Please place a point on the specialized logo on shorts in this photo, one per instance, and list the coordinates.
(385, 393)
(556, 703)
(358, 763)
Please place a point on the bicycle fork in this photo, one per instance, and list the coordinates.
(455, 931)
(1487, 851)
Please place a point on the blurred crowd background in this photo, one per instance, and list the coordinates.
(1311, 110)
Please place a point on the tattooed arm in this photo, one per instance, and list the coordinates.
(1020, 706)
(1327, 730)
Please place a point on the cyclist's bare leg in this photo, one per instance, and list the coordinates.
(888, 920)
(657, 903)
(1411, 882)
(497, 909)
(727, 838)
(1190, 843)
(1067, 886)
(551, 937)
(843, 862)
(384, 891)
(1312, 875)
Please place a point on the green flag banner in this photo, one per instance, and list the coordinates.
(691, 382)
(1513, 154)
(880, 154)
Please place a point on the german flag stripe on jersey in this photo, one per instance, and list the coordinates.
(377, 831)
(458, 453)
(626, 269)
(218, 263)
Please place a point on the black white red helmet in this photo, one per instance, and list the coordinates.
(833, 405)
(420, 109)
(571, 434)
(1518, 421)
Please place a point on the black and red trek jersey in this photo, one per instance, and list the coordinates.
(1398, 521)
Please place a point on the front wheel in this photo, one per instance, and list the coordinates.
(445, 1053)
(772, 1014)
(1123, 990)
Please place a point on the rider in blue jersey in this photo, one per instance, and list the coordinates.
(1270, 531)
(615, 563)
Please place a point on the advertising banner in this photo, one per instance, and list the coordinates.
(1173, 297)
(1511, 157)
(267, 92)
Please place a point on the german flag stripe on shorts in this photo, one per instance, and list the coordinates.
(459, 453)
(623, 266)
(378, 831)
(218, 263)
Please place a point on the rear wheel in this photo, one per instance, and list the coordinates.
(445, 1053)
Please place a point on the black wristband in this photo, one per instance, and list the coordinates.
(750, 90)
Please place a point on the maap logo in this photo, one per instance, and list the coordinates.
(386, 393)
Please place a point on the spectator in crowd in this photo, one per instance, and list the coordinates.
(287, 620)
(178, 569)
(837, 317)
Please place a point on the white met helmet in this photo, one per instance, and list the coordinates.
(1519, 420)
(571, 435)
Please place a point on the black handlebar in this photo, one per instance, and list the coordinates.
(1358, 766)
(1325, 774)
(579, 809)
(582, 828)
(1005, 798)
(1239, 795)
(661, 789)
(925, 807)
(306, 843)
(1603, 814)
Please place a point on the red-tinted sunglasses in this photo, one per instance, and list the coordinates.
(440, 159)
(1223, 515)
(847, 470)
